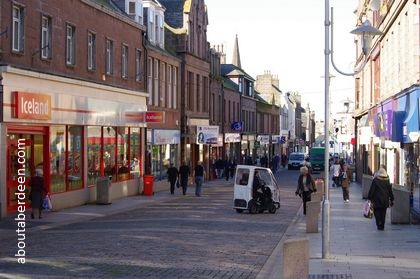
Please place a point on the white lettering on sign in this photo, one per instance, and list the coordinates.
(35, 107)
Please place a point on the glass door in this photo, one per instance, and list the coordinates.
(24, 155)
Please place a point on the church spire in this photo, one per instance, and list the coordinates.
(236, 58)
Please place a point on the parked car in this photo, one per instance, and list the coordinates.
(296, 160)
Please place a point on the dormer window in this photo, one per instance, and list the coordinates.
(135, 10)
(154, 18)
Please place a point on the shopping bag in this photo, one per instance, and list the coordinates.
(368, 209)
(177, 183)
(46, 202)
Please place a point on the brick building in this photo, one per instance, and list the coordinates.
(73, 100)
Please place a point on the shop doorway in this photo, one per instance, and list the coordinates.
(25, 153)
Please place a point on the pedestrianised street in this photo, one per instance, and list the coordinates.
(177, 237)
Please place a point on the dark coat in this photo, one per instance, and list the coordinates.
(380, 192)
(310, 183)
(172, 174)
(184, 173)
(38, 191)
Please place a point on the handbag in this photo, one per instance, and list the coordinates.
(368, 209)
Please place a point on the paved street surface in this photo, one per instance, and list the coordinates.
(168, 237)
(357, 249)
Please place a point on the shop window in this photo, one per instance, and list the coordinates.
(75, 159)
(94, 153)
(135, 152)
(57, 159)
(109, 135)
(123, 158)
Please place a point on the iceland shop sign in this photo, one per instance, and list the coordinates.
(32, 106)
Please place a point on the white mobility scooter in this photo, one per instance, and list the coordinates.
(255, 190)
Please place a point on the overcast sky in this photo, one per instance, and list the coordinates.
(286, 37)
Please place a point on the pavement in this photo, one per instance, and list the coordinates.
(357, 248)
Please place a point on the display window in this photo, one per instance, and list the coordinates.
(134, 152)
(94, 150)
(57, 159)
(161, 157)
(75, 159)
(123, 155)
(66, 161)
(113, 152)
(109, 154)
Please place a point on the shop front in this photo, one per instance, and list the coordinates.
(72, 133)
(163, 149)
(232, 146)
(248, 145)
(410, 104)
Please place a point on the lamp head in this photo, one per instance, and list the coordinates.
(366, 31)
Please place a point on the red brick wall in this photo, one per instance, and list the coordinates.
(84, 17)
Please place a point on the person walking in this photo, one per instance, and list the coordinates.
(345, 183)
(336, 168)
(227, 169)
(199, 173)
(172, 177)
(382, 197)
(184, 174)
(37, 194)
(306, 185)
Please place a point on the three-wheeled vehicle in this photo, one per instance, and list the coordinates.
(255, 194)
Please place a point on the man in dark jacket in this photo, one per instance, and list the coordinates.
(380, 194)
(172, 177)
(184, 173)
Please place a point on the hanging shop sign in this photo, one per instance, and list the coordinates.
(207, 134)
(275, 139)
(160, 136)
(232, 137)
(264, 139)
(237, 126)
(32, 106)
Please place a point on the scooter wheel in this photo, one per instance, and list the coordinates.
(272, 209)
(253, 208)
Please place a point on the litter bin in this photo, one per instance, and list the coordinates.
(103, 193)
(148, 185)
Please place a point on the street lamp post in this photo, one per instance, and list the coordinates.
(366, 31)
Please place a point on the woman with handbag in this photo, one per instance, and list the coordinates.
(306, 185)
(37, 194)
(381, 195)
(345, 183)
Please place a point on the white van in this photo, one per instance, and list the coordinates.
(296, 160)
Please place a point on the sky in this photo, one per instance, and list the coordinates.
(287, 37)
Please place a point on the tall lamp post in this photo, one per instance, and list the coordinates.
(366, 31)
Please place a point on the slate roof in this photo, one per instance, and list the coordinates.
(229, 84)
(174, 13)
(230, 69)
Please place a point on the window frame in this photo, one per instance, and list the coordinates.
(18, 29)
(138, 65)
(109, 57)
(46, 41)
(70, 45)
(91, 51)
(124, 61)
